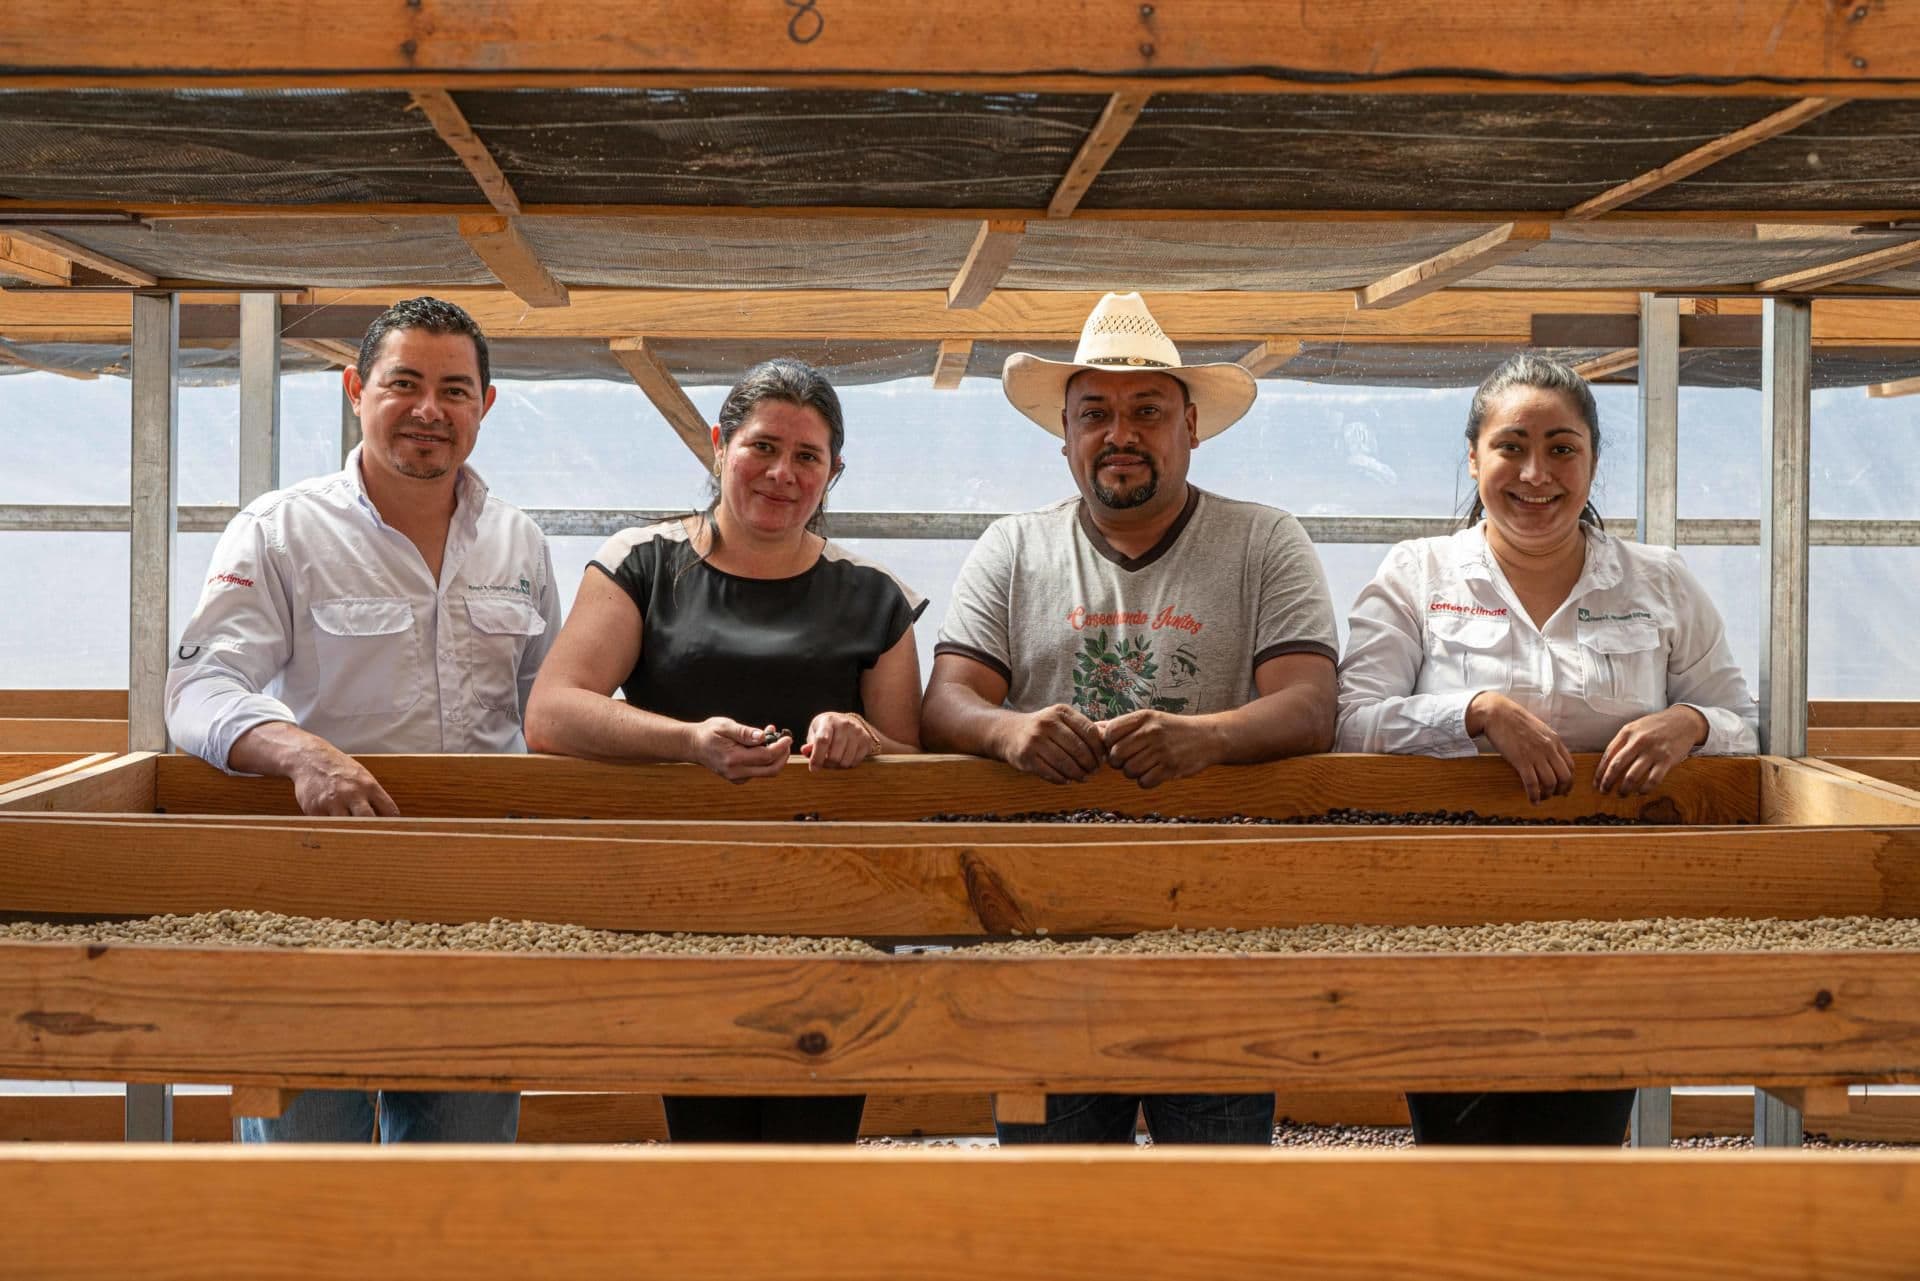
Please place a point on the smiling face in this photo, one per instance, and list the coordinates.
(421, 404)
(1533, 462)
(1130, 436)
(774, 469)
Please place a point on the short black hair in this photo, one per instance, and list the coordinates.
(430, 314)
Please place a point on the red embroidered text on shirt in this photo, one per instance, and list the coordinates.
(1476, 611)
(232, 580)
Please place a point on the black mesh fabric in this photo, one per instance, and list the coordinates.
(1865, 155)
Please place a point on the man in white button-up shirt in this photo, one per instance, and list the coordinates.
(393, 606)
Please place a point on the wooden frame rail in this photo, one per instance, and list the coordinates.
(466, 1214)
(1841, 713)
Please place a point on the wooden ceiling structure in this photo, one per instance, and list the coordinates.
(704, 181)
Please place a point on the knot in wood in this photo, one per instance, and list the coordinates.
(1822, 999)
(813, 1043)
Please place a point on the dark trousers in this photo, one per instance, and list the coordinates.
(1559, 1118)
(1171, 1118)
(834, 1118)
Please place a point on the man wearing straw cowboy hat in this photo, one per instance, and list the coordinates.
(1144, 625)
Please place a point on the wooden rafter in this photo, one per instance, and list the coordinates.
(498, 241)
(332, 350)
(1854, 268)
(27, 362)
(993, 249)
(1611, 363)
(1700, 157)
(33, 264)
(1108, 131)
(85, 257)
(1268, 355)
(1898, 387)
(450, 123)
(1566, 47)
(952, 366)
(652, 376)
(1502, 244)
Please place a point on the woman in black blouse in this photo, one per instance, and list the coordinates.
(725, 627)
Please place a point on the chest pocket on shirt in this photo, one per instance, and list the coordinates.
(368, 654)
(1623, 665)
(497, 634)
(1468, 651)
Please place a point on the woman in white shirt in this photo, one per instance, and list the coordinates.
(1537, 634)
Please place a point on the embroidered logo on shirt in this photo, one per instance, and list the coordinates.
(1630, 616)
(521, 588)
(1472, 611)
(231, 580)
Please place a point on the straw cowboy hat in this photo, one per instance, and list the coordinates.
(1121, 334)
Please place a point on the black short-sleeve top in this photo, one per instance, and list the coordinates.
(763, 651)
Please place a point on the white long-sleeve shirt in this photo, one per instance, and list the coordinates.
(318, 612)
(1439, 623)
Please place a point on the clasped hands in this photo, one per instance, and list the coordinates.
(1062, 745)
(737, 752)
(1634, 763)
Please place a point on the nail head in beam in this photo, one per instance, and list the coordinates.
(994, 246)
(644, 366)
(1611, 363)
(86, 257)
(1833, 273)
(32, 264)
(498, 241)
(1475, 256)
(1898, 387)
(1115, 121)
(1699, 158)
(952, 365)
(1267, 356)
(438, 106)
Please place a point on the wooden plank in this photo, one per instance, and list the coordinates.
(61, 247)
(952, 365)
(1839, 712)
(1269, 355)
(1793, 792)
(84, 704)
(1898, 387)
(994, 246)
(1885, 740)
(937, 889)
(1502, 244)
(20, 768)
(1635, 47)
(657, 382)
(1782, 121)
(122, 784)
(18, 734)
(335, 350)
(1611, 363)
(1020, 1109)
(1116, 120)
(450, 123)
(1868, 264)
(259, 1100)
(499, 243)
(101, 1118)
(1700, 790)
(33, 264)
(1853, 776)
(28, 362)
(1901, 771)
(822, 1025)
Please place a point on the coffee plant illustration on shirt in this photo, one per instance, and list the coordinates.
(1112, 676)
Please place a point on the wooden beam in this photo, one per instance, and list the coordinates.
(1699, 790)
(78, 253)
(1801, 793)
(1611, 363)
(49, 735)
(993, 249)
(1901, 771)
(33, 264)
(1885, 740)
(27, 362)
(1719, 46)
(438, 106)
(1116, 119)
(18, 768)
(120, 785)
(1830, 713)
(1833, 273)
(1699, 158)
(260, 1101)
(1268, 355)
(332, 350)
(499, 243)
(936, 886)
(87, 704)
(657, 382)
(1502, 244)
(952, 365)
(1898, 387)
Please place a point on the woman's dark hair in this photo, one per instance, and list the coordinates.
(1543, 373)
(794, 382)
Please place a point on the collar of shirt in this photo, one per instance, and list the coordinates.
(1601, 570)
(470, 492)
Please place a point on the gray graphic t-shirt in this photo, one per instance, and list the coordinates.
(1048, 603)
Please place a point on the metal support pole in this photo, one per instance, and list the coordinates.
(154, 522)
(1786, 393)
(259, 395)
(349, 424)
(1652, 1120)
(1659, 419)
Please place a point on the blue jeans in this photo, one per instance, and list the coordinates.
(1171, 1118)
(406, 1116)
